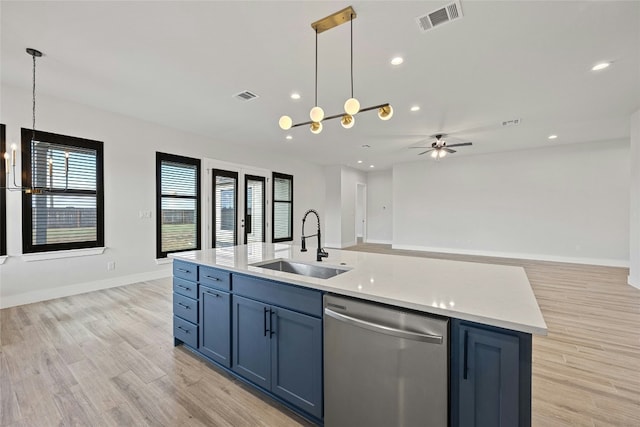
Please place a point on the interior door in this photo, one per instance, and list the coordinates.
(254, 208)
(225, 208)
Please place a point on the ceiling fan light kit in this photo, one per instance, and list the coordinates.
(351, 105)
(439, 148)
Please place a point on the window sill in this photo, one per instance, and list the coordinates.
(42, 256)
(161, 261)
(3, 258)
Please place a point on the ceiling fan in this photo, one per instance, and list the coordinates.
(439, 148)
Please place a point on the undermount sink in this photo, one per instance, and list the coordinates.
(308, 270)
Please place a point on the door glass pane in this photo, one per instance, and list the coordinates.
(254, 210)
(225, 210)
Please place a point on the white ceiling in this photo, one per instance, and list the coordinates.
(179, 63)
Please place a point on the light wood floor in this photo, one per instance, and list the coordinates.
(107, 358)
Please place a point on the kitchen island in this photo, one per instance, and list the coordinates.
(237, 308)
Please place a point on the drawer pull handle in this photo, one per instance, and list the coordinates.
(184, 287)
(182, 270)
(214, 278)
(212, 293)
(186, 331)
(184, 305)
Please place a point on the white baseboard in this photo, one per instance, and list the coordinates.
(379, 242)
(338, 245)
(79, 288)
(632, 282)
(517, 255)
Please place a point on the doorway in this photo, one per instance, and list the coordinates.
(225, 208)
(361, 213)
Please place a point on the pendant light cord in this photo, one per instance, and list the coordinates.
(316, 101)
(352, 55)
(33, 106)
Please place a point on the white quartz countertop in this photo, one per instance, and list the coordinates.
(485, 293)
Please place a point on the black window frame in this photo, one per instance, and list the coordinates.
(3, 192)
(275, 175)
(27, 218)
(160, 157)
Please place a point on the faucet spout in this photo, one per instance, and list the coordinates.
(320, 253)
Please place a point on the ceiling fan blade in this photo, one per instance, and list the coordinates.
(463, 144)
(419, 147)
(424, 152)
(449, 150)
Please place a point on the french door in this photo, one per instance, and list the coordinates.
(238, 208)
(254, 208)
(225, 208)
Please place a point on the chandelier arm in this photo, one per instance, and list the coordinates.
(335, 116)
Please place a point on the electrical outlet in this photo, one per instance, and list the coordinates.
(111, 265)
(144, 214)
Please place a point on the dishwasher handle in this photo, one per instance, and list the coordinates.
(414, 336)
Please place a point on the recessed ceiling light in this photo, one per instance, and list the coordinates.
(552, 136)
(397, 60)
(600, 66)
(415, 108)
(371, 166)
(289, 137)
(359, 161)
(295, 95)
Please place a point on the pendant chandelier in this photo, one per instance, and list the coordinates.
(351, 105)
(10, 159)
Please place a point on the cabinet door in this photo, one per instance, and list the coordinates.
(251, 341)
(296, 359)
(489, 383)
(215, 325)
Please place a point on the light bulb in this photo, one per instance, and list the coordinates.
(442, 153)
(434, 154)
(347, 121)
(316, 127)
(351, 106)
(385, 113)
(285, 122)
(316, 114)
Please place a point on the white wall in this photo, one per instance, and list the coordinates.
(380, 206)
(129, 162)
(569, 203)
(634, 220)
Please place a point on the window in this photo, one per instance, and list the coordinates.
(177, 204)
(3, 194)
(282, 207)
(65, 209)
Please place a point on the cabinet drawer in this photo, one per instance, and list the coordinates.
(185, 308)
(215, 278)
(185, 270)
(186, 288)
(288, 296)
(185, 331)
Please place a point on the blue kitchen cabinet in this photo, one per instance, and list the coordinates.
(251, 341)
(215, 324)
(490, 376)
(296, 359)
(277, 340)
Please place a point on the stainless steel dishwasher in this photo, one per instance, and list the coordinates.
(384, 366)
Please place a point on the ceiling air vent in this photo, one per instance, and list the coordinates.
(440, 16)
(245, 96)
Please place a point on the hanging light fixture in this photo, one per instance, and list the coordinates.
(352, 105)
(11, 159)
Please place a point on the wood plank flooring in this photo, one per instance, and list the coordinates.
(106, 358)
